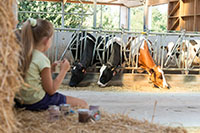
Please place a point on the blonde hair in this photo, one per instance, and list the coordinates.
(31, 37)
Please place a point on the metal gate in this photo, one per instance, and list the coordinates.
(158, 42)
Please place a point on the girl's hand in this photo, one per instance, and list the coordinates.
(53, 66)
(64, 65)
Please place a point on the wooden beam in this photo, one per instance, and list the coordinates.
(157, 2)
(50, 0)
(174, 24)
(111, 1)
(195, 16)
(64, 1)
(175, 8)
(84, 2)
(181, 22)
(98, 3)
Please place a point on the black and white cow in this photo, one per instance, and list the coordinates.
(87, 43)
(108, 70)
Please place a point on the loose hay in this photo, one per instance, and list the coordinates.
(9, 76)
(39, 122)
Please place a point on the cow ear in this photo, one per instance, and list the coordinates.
(114, 73)
(165, 48)
(193, 42)
(83, 71)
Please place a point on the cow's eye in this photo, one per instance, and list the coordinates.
(160, 77)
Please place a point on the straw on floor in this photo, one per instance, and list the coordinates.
(39, 122)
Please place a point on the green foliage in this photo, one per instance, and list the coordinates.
(110, 17)
(71, 20)
(159, 20)
(137, 18)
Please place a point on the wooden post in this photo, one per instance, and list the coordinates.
(149, 17)
(146, 15)
(95, 14)
(124, 16)
(195, 16)
(181, 23)
(63, 16)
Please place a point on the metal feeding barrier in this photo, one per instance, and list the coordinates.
(68, 41)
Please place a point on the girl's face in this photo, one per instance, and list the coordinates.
(49, 42)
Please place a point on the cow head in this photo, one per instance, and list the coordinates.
(170, 52)
(106, 74)
(78, 73)
(158, 78)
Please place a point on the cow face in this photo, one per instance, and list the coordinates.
(158, 78)
(106, 74)
(78, 73)
(169, 50)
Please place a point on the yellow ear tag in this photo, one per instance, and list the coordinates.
(112, 69)
(144, 33)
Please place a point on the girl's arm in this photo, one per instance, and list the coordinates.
(50, 85)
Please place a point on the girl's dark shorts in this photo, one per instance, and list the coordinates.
(55, 99)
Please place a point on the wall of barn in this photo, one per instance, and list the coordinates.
(184, 14)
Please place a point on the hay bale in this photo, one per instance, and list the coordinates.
(33, 122)
(10, 81)
(9, 76)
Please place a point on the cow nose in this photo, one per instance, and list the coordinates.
(168, 87)
(101, 84)
(71, 84)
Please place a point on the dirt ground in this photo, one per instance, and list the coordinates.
(135, 88)
(175, 107)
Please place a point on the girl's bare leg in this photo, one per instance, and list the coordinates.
(73, 101)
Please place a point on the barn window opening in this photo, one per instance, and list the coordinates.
(108, 16)
(137, 18)
(158, 18)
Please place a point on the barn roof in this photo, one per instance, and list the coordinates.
(127, 3)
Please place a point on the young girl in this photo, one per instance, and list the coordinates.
(36, 38)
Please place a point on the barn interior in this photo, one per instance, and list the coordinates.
(130, 112)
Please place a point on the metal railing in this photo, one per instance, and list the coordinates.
(157, 42)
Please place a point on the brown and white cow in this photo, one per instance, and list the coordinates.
(145, 61)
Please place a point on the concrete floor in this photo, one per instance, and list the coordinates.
(172, 108)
